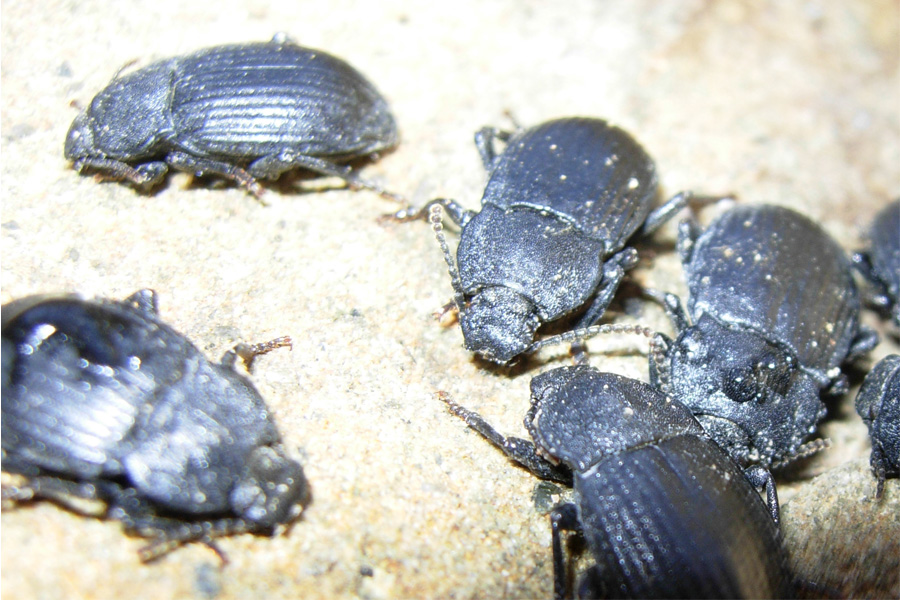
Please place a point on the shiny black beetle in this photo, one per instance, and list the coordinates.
(880, 263)
(878, 403)
(563, 200)
(243, 112)
(102, 400)
(664, 511)
(774, 314)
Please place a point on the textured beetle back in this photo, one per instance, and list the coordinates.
(678, 519)
(258, 99)
(587, 172)
(776, 272)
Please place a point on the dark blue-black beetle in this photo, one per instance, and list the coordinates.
(563, 200)
(775, 314)
(102, 400)
(880, 263)
(665, 512)
(878, 403)
(243, 111)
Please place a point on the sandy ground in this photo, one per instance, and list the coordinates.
(793, 103)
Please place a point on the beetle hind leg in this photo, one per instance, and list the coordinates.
(273, 165)
(203, 166)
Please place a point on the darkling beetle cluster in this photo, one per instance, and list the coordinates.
(98, 394)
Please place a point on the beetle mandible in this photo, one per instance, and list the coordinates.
(562, 201)
(664, 511)
(103, 400)
(774, 313)
(242, 111)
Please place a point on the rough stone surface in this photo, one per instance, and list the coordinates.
(793, 103)
(843, 542)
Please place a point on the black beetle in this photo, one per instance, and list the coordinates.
(665, 512)
(878, 403)
(880, 264)
(102, 400)
(562, 201)
(243, 111)
(775, 314)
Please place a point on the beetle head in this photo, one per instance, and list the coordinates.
(751, 394)
(580, 415)
(499, 324)
(80, 139)
(272, 488)
(126, 120)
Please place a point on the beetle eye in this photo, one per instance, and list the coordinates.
(741, 385)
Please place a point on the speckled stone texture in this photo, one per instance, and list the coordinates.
(793, 103)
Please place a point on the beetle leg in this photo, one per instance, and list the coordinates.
(865, 340)
(61, 491)
(563, 518)
(273, 165)
(145, 300)
(520, 450)
(688, 232)
(201, 166)
(484, 142)
(137, 515)
(673, 307)
(760, 477)
(249, 352)
(613, 272)
(661, 215)
(147, 174)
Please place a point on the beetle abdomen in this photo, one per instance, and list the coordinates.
(776, 272)
(677, 518)
(587, 172)
(256, 99)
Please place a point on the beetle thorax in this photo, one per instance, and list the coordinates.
(499, 323)
(750, 394)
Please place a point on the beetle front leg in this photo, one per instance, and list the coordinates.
(661, 215)
(146, 301)
(519, 450)
(143, 175)
(484, 142)
(866, 339)
(202, 166)
(673, 307)
(613, 272)
(60, 491)
(761, 478)
(249, 352)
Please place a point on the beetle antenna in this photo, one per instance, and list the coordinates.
(437, 225)
(584, 333)
(658, 349)
(808, 449)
